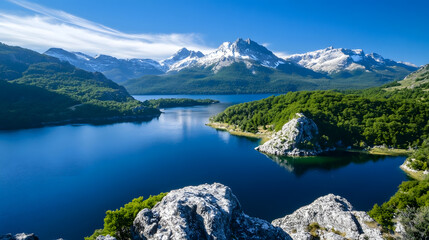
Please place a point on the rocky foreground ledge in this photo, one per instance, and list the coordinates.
(212, 211)
(202, 212)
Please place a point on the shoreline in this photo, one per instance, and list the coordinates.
(389, 151)
(414, 174)
(92, 121)
(265, 136)
(233, 130)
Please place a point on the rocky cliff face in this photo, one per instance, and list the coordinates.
(298, 137)
(329, 217)
(202, 212)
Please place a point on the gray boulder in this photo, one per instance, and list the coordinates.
(329, 217)
(208, 211)
(19, 236)
(107, 237)
(298, 137)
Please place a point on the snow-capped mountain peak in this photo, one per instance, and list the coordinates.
(116, 69)
(181, 59)
(331, 60)
(246, 51)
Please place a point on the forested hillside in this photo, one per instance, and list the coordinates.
(38, 89)
(238, 79)
(360, 118)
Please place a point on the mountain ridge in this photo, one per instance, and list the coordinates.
(244, 66)
(332, 60)
(329, 60)
(119, 70)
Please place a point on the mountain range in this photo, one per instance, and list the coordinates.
(243, 66)
(118, 70)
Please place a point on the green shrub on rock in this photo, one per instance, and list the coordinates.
(118, 222)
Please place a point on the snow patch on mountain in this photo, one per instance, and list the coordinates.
(332, 60)
(182, 59)
(246, 51)
(116, 69)
(325, 61)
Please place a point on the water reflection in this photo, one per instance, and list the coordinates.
(334, 160)
(87, 169)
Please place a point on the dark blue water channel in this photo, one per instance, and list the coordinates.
(59, 181)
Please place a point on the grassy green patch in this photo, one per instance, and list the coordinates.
(390, 151)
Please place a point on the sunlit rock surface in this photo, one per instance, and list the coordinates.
(329, 217)
(298, 137)
(208, 211)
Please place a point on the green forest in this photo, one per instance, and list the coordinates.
(358, 118)
(36, 89)
(239, 79)
(177, 102)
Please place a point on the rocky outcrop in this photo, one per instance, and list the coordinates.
(208, 211)
(212, 211)
(298, 137)
(19, 236)
(108, 237)
(329, 217)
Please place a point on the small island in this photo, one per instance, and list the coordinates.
(177, 102)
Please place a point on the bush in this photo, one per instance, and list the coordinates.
(415, 222)
(411, 194)
(417, 165)
(421, 157)
(117, 223)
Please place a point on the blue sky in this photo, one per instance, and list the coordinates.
(155, 28)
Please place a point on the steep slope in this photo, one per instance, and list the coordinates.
(182, 59)
(247, 51)
(244, 66)
(417, 79)
(334, 60)
(37, 89)
(239, 67)
(233, 79)
(118, 70)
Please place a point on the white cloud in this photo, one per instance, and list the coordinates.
(53, 28)
(282, 54)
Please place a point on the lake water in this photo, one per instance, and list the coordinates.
(59, 181)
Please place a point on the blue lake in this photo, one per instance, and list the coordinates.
(59, 181)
